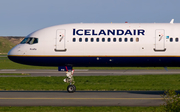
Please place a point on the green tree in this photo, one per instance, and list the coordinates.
(172, 101)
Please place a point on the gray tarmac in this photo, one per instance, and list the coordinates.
(81, 98)
(86, 72)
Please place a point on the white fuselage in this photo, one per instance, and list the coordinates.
(113, 41)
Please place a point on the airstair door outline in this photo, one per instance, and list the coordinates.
(60, 40)
(160, 40)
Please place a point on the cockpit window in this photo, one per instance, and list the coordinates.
(24, 41)
(30, 40)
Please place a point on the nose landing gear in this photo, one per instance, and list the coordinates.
(71, 88)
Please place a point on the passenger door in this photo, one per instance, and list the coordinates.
(60, 40)
(160, 40)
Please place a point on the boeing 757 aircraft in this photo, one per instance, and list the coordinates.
(100, 45)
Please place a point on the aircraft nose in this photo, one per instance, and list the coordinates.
(14, 53)
(17, 50)
(11, 52)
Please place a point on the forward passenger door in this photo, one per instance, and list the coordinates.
(60, 40)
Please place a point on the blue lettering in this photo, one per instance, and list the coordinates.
(134, 32)
(141, 32)
(81, 32)
(128, 32)
(118, 32)
(102, 32)
(74, 30)
(77, 32)
(87, 32)
(112, 32)
(93, 32)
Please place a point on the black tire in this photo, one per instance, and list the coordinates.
(70, 88)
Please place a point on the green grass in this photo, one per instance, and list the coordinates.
(81, 109)
(95, 83)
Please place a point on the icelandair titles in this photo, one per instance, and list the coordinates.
(108, 32)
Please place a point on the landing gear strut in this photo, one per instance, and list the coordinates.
(71, 88)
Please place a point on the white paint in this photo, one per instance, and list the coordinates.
(144, 47)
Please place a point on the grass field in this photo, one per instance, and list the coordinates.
(81, 109)
(5, 45)
(95, 83)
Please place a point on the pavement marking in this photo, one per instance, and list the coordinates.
(81, 98)
(8, 70)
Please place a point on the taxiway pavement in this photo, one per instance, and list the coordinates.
(86, 72)
(81, 98)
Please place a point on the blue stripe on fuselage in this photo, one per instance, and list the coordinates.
(97, 61)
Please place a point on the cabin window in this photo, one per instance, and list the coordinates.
(114, 39)
(125, 39)
(131, 39)
(137, 39)
(80, 39)
(177, 39)
(120, 39)
(30, 40)
(86, 39)
(103, 39)
(109, 39)
(171, 39)
(97, 39)
(74, 39)
(92, 39)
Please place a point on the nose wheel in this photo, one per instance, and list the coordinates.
(71, 88)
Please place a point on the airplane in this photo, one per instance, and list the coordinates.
(100, 45)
